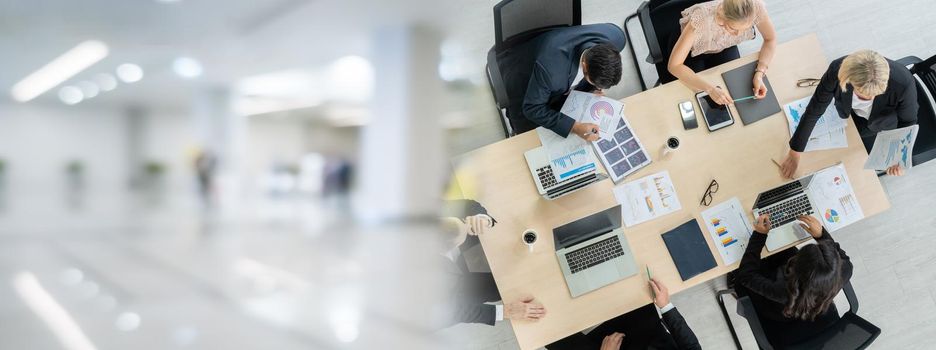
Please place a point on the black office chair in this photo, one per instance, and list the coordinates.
(924, 149)
(516, 21)
(659, 20)
(849, 332)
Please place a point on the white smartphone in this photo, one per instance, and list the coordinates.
(716, 116)
(688, 115)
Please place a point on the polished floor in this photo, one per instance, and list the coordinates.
(281, 273)
(893, 252)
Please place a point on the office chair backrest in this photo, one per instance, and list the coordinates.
(924, 149)
(516, 20)
(665, 20)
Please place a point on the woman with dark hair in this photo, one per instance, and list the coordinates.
(793, 291)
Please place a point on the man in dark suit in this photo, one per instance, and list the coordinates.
(463, 220)
(877, 93)
(638, 329)
(539, 73)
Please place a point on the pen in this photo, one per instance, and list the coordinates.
(649, 277)
(775, 163)
(591, 132)
(744, 98)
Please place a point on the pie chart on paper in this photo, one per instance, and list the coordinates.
(831, 216)
(600, 109)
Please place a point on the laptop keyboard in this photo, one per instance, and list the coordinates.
(546, 177)
(787, 211)
(594, 254)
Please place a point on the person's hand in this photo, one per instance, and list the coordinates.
(788, 167)
(660, 292)
(762, 225)
(719, 95)
(612, 341)
(477, 224)
(526, 309)
(587, 131)
(895, 170)
(813, 226)
(760, 89)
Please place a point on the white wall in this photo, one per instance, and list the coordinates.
(37, 143)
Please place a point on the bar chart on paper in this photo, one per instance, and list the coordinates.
(572, 164)
(729, 228)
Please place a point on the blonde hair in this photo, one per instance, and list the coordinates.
(867, 71)
(738, 11)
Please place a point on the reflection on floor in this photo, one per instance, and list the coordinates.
(283, 274)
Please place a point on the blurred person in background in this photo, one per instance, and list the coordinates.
(473, 290)
(205, 165)
(538, 75)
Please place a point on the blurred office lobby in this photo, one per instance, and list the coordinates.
(180, 174)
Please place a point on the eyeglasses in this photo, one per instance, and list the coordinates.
(707, 197)
(807, 82)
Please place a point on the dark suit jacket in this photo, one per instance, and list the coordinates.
(895, 108)
(538, 73)
(766, 286)
(471, 290)
(640, 332)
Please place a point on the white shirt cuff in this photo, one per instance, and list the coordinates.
(666, 308)
(498, 312)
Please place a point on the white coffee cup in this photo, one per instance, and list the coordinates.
(671, 145)
(529, 237)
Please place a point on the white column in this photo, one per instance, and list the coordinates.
(222, 133)
(400, 172)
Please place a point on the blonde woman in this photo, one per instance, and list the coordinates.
(710, 33)
(879, 94)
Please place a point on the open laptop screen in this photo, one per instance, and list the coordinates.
(587, 227)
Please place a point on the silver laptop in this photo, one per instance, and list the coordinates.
(552, 185)
(593, 251)
(784, 204)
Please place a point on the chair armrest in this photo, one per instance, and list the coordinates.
(496, 80)
(909, 60)
(746, 310)
(851, 297)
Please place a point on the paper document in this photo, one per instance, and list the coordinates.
(647, 198)
(893, 147)
(568, 156)
(729, 228)
(834, 198)
(586, 107)
(829, 132)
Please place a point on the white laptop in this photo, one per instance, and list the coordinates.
(553, 184)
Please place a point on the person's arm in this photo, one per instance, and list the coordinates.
(475, 313)
(674, 322)
(748, 273)
(536, 108)
(677, 67)
(824, 236)
(684, 337)
(766, 28)
(820, 101)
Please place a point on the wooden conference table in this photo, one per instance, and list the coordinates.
(738, 156)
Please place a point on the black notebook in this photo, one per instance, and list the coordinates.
(740, 83)
(687, 247)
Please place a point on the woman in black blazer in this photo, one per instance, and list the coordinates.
(879, 94)
(793, 291)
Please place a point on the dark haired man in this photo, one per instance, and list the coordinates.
(538, 75)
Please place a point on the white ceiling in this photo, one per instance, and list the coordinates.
(232, 38)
